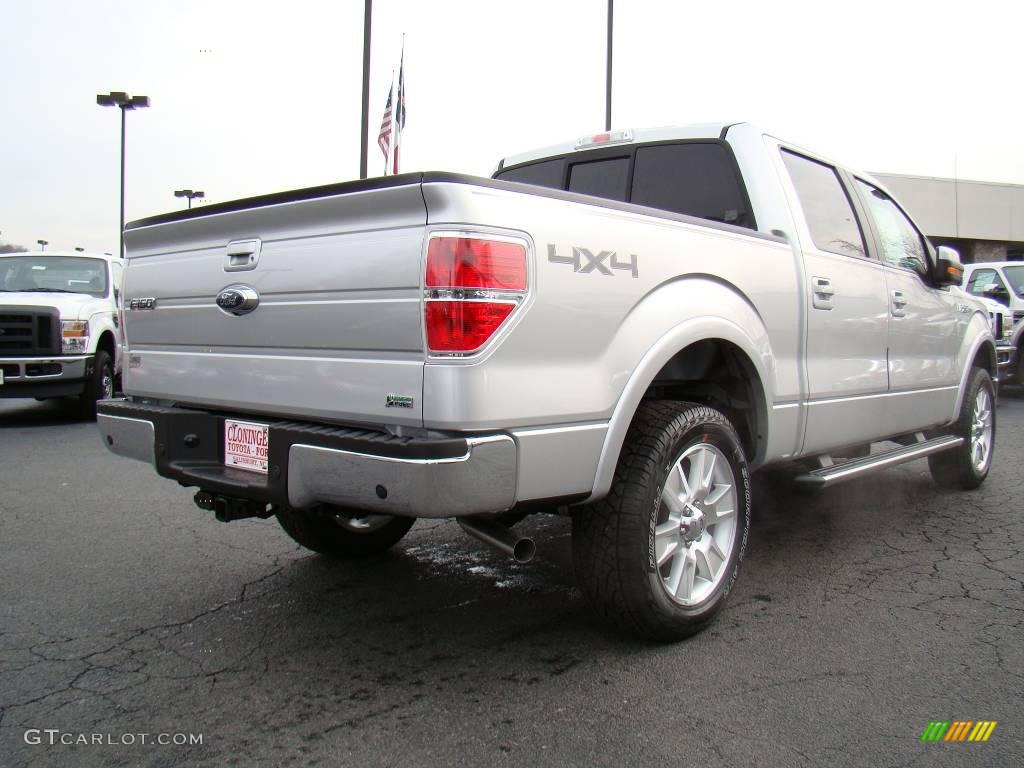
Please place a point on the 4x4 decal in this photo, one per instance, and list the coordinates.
(583, 260)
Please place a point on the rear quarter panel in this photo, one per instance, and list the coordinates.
(585, 334)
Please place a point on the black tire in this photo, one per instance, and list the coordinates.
(959, 467)
(99, 385)
(342, 533)
(615, 545)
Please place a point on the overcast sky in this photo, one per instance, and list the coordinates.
(250, 97)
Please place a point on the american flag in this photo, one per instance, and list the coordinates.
(399, 109)
(384, 138)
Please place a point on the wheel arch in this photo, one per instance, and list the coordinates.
(108, 344)
(687, 360)
(980, 354)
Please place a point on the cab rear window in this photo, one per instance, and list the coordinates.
(693, 178)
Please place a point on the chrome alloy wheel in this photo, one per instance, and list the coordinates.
(696, 529)
(981, 431)
(107, 384)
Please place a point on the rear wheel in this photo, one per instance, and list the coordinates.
(660, 554)
(343, 533)
(967, 465)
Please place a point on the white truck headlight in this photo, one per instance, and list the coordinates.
(74, 337)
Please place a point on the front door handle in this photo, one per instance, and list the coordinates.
(822, 292)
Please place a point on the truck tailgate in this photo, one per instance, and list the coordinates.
(338, 324)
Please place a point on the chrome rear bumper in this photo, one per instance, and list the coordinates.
(313, 464)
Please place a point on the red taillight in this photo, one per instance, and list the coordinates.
(473, 285)
(465, 262)
(462, 326)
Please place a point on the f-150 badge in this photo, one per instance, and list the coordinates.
(584, 260)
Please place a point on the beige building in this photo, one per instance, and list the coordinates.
(983, 220)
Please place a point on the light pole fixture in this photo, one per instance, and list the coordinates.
(125, 102)
(198, 194)
(43, 244)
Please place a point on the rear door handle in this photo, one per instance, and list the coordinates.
(822, 290)
(242, 255)
(898, 304)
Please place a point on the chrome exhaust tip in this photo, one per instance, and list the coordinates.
(519, 548)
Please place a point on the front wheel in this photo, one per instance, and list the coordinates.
(343, 533)
(99, 385)
(966, 466)
(660, 554)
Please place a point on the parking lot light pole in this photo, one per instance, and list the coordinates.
(43, 244)
(198, 194)
(124, 102)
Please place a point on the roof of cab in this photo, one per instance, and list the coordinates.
(643, 135)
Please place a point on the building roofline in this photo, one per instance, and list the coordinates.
(918, 177)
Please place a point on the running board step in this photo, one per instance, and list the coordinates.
(837, 473)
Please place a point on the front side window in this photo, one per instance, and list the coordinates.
(828, 211)
(901, 243)
(980, 281)
(53, 274)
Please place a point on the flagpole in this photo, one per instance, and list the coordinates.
(365, 128)
(608, 83)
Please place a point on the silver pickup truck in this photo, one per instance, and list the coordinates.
(618, 329)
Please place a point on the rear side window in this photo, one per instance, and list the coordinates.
(693, 179)
(601, 178)
(828, 211)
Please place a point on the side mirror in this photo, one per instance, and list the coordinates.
(948, 269)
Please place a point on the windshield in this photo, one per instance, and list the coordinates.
(53, 274)
(1016, 277)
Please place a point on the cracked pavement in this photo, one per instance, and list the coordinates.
(861, 614)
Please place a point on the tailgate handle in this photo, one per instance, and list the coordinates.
(242, 255)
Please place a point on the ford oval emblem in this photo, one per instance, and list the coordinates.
(238, 299)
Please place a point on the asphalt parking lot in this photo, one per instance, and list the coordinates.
(861, 615)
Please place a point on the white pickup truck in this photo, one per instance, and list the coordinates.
(619, 329)
(59, 332)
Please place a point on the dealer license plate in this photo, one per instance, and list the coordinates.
(245, 445)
